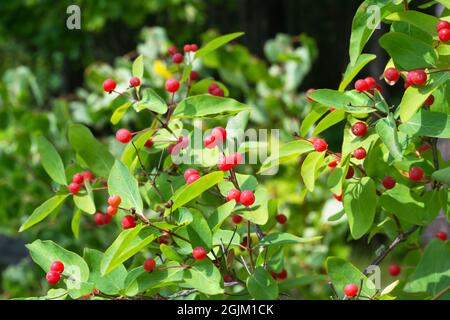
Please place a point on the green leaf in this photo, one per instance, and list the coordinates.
(285, 238)
(226, 237)
(45, 209)
(45, 252)
(75, 223)
(310, 169)
(138, 67)
(432, 274)
(353, 69)
(122, 183)
(427, 124)
(387, 130)
(287, 152)
(191, 191)
(93, 153)
(208, 106)
(360, 202)
(330, 120)
(120, 112)
(442, 175)
(236, 127)
(85, 201)
(261, 285)
(152, 101)
(127, 244)
(316, 113)
(199, 231)
(111, 283)
(349, 101)
(219, 215)
(170, 253)
(412, 54)
(424, 22)
(414, 97)
(217, 43)
(51, 161)
(204, 277)
(342, 273)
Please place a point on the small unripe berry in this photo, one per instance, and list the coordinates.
(236, 218)
(429, 101)
(74, 188)
(389, 182)
(320, 145)
(172, 85)
(78, 178)
(308, 92)
(444, 35)
(416, 174)
(53, 277)
(351, 290)
(194, 76)
(442, 25)
(149, 264)
(281, 218)
(123, 135)
(210, 142)
(192, 178)
(391, 75)
(177, 58)
(359, 129)
(114, 200)
(394, 270)
(57, 266)
(111, 211)
(442, 235)
(350, 173)
(360, 153)
(135, 82)
(234, 194)
(247, 198)
(189, 172)
(109, 85)
(361, 85)
(128, 222)
(199, 253)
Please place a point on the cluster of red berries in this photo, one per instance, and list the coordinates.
(218, 136)
(199, 253)
(282, 275)
(54, 275)
(191, 175)
(113, 202)
(368, 84)
(78, 181)
(226, 163)
(247, 197)
(149, 265)
(215, 90)
(443, 29)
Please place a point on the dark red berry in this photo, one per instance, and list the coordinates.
(360, 153)
(359, 129)
(282, 275)
(394, 270)
(392, 75)
(135, 82)
(149, 264)
(99, 220)
(78, 178)
(351, 290)
(74, 188)
(199, 253)
(123, 135)
(177, 58)
(172, 50)
(429, 101)
(53, 277)
(109, 85)
(128, 222)
(338, 197)
(57, 266)
(234, 194)
(247, 198)
(148, 143)
(281, 218)
(416, 174)
(350, 173)
(194, 76)
(442, 235)
(172, 85)
(227, 278)
(236, 218)
(389, 182)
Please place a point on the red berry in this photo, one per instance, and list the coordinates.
(148, 143)
(236, 218)
(417, 77)
(423, 148)
(194, 76)
(172, 85)
(187, 48)
(333, 164)
(114, 200)
(442, 25)
(74, 188)
(282, 275)
(444, 35)
(320, 145)
(310, 91)
(350, 173)
(371, 82)
(416, 174)
(338, 197)
(53, 277)
(394, 270)
(360, 153)
(281, 218)
(172, 50)
(225, 163)
(135, 82)
(236, 158)
(351, 290)
(359, 129)
(442, 235)
(247, 198)
(389, 182)
(123, 135)
(392, 75)
(274, 275)
(429, 101)
(111, 210)
(128, 222)
(149, 264)
(219, 133)
(210, 142)
(107, 219)
(212, 87)
(199, 253)
(227, 278)
(194, 47)
(189, 172)
(109, 85)
(218, 92)
(57, 266)
(361, 86)
(99, 218)
(88, 175)
(192, 178)
(234, 194)
(77, 178)
(177, 58)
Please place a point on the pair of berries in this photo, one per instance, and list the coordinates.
(247, 197)
(443, 29)
(190, 47)
(114, 202)
(218, 135)
(181, 144)
(149, 265)
(191, 175)
(54, 275)
(199, 253)
(416, 77)
(102, 218)
(215, 90)
(368, 84)
(78, 180)
(227, 163)
(320, 145)
(282, 275)
(109, 84)
(391, 75)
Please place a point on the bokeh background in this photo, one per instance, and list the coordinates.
(51, 76)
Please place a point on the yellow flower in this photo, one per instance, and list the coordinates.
(160, 69)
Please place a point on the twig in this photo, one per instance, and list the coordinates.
(249, 246)
(441, 293)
